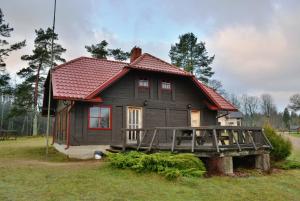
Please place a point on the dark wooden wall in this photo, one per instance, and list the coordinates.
(165, 108)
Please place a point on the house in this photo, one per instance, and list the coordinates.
(295, 128)
(231, 119)
(92, 99)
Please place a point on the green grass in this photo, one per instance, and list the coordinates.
(295, 134)
(25, 175)
(32, 148)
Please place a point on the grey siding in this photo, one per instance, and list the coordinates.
(164, 108)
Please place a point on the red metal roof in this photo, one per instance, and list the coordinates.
(79, 77)
(214, 97)
(151, 63)
(84, 78)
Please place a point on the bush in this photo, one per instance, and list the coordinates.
(169, 165)
(281, 147)
(288, 165)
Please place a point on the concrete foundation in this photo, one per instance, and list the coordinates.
(220, 165)
(262, 162)
(80, 152)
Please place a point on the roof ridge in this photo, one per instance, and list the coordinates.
(85, 57)
(114, 61)
(171, 65)
(68, 62)
(137, 60)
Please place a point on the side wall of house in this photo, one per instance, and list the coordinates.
(162, 108)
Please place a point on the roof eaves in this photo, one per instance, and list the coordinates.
(200, 85)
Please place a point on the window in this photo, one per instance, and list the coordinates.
(144, 83)
(100, 117)
(166, 85)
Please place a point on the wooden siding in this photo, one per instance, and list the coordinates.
(164, 108)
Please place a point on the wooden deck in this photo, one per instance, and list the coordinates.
(206, 141)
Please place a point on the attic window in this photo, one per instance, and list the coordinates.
(166, 85)
(143, 82)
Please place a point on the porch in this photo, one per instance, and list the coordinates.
(204, 141)
(218, 145)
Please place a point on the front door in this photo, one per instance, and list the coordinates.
(134, 121)
(195, 118)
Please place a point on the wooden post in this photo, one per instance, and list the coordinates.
(152, 140)
(230, 137)
(138, 133)
(241, 138)
(193, 140)
(173, 140)
(251, 139)
(236, 140)
(215, 140)
(141, 141)
(266, 139)
(124, 139)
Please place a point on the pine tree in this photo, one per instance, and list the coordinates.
(286, 118)
(192, 56)
(118, 54)
(100, 51)
(38, 63)
(5, 47)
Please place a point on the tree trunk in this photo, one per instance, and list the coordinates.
(36, 93)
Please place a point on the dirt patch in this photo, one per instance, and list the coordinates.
(294, 140)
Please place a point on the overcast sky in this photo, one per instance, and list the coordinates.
(256, 42)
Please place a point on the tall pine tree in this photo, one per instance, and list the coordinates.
(38, 63)
(286, 118)
(101, 51)
(5, 47)
(192, 55)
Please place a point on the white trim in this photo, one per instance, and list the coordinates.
(133, 113)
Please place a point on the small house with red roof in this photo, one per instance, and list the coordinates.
(142, 104)
(93, 99)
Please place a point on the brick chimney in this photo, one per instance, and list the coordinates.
(135, 53)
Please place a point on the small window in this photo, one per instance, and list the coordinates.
(144, 83)
(166, 85)
(100, 117)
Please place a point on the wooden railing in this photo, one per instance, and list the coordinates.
(197, 139)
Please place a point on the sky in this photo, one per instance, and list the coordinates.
(256, 43)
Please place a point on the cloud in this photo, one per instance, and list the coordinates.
(253, 60)
(256, 43)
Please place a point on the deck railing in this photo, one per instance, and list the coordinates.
(216, 139)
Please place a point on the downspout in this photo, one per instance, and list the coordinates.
(69, 125)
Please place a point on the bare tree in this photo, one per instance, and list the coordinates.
(267, 105)
(217, 86)
(250, 105)
(295, 102)
(234, 100)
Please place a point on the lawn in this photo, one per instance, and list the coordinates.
(26, 175)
